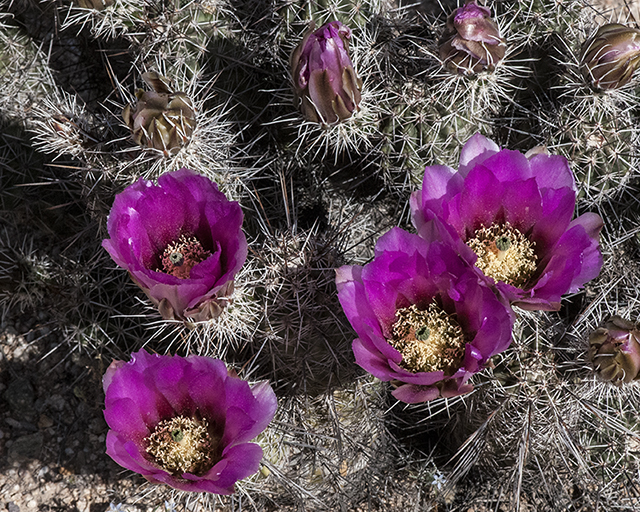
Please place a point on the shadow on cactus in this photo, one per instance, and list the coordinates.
(77, 60)
(50, 261)
(303, 342)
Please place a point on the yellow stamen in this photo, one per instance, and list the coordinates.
(504, 254)
(182, 445)
(428, 340)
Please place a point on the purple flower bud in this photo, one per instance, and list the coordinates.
(185, 421)
(614, 350)
(181, 241)
(471, 41)
(609, 59)
(162, 120)
(424, 319)
(326, 87)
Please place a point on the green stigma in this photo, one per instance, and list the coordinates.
(176, 259)
(422, 333)
(503, 243)
(429, 340)
(182, 445)
(177, 435)
(181, 256)
(504, 254)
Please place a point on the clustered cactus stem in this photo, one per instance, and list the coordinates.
(334, 254)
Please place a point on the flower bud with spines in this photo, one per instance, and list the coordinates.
(471, 41)
(326, 87)
(163, 119)
(609, 58)
(614, 350)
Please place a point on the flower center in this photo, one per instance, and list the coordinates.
(428, 340)
(182, 445)
(504, 254)
(181, 256)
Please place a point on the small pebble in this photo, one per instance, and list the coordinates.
(45, 421)
(57, 402)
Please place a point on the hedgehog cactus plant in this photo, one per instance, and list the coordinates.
(320, 139)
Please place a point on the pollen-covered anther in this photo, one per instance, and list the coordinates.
(182, 445)
(429, 340)
(504, 254)
(182, 255)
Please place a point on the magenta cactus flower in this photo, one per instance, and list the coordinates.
(181, 241)
(424, 319)
(514, 212)
(185, 421)
(326, 87)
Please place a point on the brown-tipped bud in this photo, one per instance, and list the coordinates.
(471, 42)
(609, 59)
(162, 120)
(614, 350)
(326, 87)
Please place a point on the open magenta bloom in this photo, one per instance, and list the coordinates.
(424, 319)
(185, 421)
(326, 87)
(181, 241)
(514, 211)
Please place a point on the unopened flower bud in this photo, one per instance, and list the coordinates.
(609, 59)
(614, 350)
(471, 42)
(163, 119)
(327, 89)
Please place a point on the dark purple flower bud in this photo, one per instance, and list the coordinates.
(326, 87)
(514, 213)
(185, 421)
(471, 41)
(609, 59)
(181, 241)
(163, 119)
(614, 350)
(424, 319)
